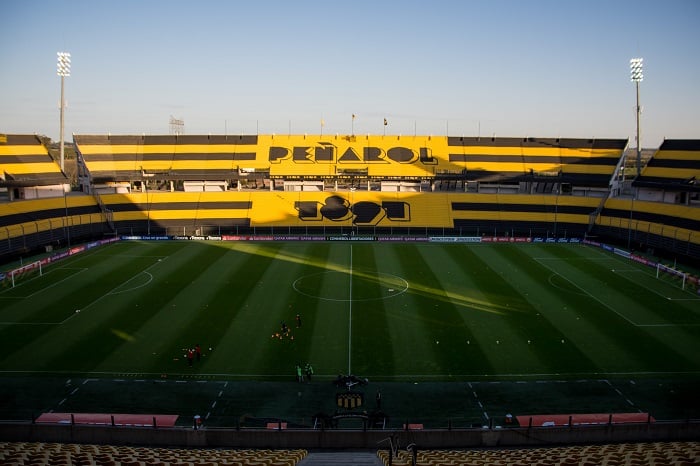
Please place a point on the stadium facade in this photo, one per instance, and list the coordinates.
(359, 185)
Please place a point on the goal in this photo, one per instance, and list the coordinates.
(661, 269)
(21, 273)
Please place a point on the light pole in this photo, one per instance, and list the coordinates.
(637, 76)
(63, 70)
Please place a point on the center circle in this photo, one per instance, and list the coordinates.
(367, 285)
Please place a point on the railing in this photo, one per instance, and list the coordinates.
(107, 212)
(207, 437)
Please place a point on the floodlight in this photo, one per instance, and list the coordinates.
(63, 70)
(637, 76)
(63, 65)
(637, 70)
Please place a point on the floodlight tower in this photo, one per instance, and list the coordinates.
(637, 76)
(63, 70)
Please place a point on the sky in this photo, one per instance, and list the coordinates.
(510, 68)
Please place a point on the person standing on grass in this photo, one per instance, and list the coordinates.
(309, 371)
(198, 351)
(190, 356)
(298, 318)
(300, 376)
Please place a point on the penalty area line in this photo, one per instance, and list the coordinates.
(114, 291)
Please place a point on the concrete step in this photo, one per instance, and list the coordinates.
(342, 458)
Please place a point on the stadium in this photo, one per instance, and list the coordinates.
(254, 298)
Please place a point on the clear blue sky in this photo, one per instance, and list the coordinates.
(505, 67)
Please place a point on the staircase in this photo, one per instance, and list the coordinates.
(107, 212)
(341, 458)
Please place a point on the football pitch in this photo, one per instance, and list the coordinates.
(450, 330)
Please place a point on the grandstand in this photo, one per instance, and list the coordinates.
(532, 186)
(28, 171)
(280, 184)
(657, 453)
(663, 215)
(41, 211)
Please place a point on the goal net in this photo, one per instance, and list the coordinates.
(26, 272)
(669, 272)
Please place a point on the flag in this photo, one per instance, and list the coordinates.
(385, 123)
(353, 116)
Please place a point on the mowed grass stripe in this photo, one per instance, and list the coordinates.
(233, 296)
(319, 317)
(686, 303)
(246, 347)
(15, 311)
(409, 332)
(622, 337)
(51, 347)
(316, 289)
(565, 307)
(188, 301)
(550, 351)
(113, 322)
(446, 309)
(635, 303)
(376, 270)
(326, 289)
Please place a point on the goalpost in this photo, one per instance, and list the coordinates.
(669, 270)
(32, 266)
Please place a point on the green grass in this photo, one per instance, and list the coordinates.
(419, 320)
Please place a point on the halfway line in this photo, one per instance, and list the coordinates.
(350, 318)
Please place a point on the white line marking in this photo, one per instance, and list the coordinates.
(38, 277)
(73, 392)
(62, 401)
(589, 294)
(213, 405)
(350, 318)
(477, 378)
(150, 279)
(112, 291)
(29, 323)
(669, 325)
(60, 281)
(643, 269)
(385, 277)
